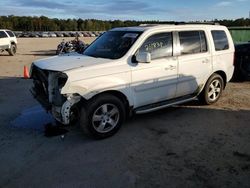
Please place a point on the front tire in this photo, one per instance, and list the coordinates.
(102, 116)
(12, 50)
(212, 90)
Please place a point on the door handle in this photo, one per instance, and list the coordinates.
(205, 61)
(170, 67)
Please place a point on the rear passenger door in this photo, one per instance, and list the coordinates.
(223, 54)
(194, 61)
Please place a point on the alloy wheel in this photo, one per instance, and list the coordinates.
(214, 90)
(105, 118)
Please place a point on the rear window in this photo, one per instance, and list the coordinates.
(3, 34)
(220, 40)
(11, 34)
(192, 42)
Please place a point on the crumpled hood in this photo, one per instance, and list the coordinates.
(68, 61)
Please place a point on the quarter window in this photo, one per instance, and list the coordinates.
(220, 40)
(3, 34)
(192, 42)
(159, 45)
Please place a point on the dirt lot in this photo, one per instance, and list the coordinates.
(182, 146)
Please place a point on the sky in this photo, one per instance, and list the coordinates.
(141, 10)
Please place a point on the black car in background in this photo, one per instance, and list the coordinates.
(242, 61)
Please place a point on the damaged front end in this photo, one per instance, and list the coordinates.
(46, 89)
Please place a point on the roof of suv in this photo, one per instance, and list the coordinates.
(162, 26)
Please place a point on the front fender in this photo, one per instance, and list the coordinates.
(91, 87)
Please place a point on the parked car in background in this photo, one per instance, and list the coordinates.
(25, 35)
(59, 34)
(17, 33)
(85, 34)
(52, 34)
(33, 35)
(242, 62)
(8, 42)
(66, 34)
(44, 34)
(73, 34)
(79, 34)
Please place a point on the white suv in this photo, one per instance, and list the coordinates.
(8, 41)
(135, 69)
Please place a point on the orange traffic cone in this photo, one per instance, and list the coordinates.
(25, 73)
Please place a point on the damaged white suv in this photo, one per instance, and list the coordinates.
(135, 69)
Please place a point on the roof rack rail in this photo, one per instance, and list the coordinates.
(149, 25)
(209, 23)
(179, 23)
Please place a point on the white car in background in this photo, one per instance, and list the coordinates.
(8, 41)
(135, 70)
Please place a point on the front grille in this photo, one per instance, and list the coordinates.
(40, 87)
(46, 87)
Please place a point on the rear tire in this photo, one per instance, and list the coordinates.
(12, 50)
(102, 116)
(212, 90)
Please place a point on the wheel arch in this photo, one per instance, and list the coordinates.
(202, 94)
(115, 93)
(13, 42)
(223, 75)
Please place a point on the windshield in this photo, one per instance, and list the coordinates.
(112, 44)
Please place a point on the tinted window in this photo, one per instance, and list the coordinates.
(192, 42)
(159, 45)
(11, 34)
(112, 44)
(3, 34)
(220, 40)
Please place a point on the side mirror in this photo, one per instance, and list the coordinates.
(143, 57)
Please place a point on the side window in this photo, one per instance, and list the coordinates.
(3, 34)
(11, 34)
(159, 45)
(220, 40)
(192, 42)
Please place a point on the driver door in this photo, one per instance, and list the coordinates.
(155, 81)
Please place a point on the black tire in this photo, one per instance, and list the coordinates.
(209, 95)
(95, 106)
(12, 50)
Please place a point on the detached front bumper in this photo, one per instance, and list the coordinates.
(46, 90)
(63, 114)
(60, 113)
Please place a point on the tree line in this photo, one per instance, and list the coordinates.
(43, 23)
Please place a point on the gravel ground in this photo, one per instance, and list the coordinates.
(183, 146)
